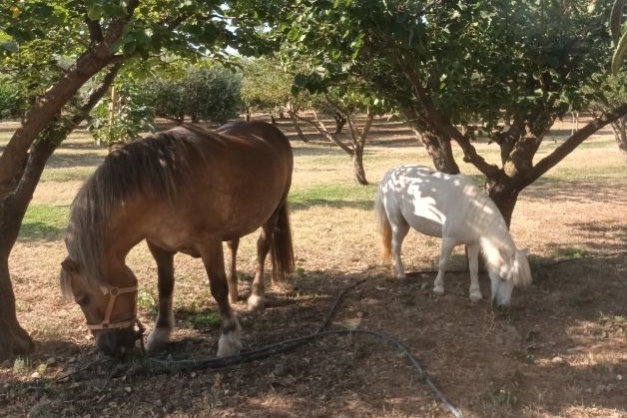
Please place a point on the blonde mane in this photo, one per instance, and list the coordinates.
(152, 166)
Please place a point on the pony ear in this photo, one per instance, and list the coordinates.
(70, 265)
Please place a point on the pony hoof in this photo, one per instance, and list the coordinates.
(229, 345)
(256, 303)
(158, 338)
(438, 290)
(475, 297)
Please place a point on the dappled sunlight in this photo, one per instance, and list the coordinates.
(556, 352)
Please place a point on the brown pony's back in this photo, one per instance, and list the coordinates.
(184, 190)
(184, 185)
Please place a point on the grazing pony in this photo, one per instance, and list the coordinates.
(453, 208)
(186, 190)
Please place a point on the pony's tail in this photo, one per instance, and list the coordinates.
(385, 229)
(282, 249)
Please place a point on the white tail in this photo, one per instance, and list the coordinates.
(385, 228)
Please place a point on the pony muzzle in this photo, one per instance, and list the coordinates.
(115, 342)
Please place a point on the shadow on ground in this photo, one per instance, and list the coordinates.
(533, 357)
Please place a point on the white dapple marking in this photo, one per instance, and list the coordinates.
(453, 208)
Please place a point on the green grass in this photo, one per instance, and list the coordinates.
(44, 222)
(594, 173)
(333, 195)
(62, 175)
(206, 320)
(569, 253)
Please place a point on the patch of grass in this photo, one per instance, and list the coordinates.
(300, 272)
(503, 397)
(607, 319)
(593, 173)
(62, 175)
(243, 277)
(44, 222)
(206, 320)
(332, 195)
(21, 364)
(569, 252)
(146, 301)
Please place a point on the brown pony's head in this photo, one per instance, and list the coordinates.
(110, 311)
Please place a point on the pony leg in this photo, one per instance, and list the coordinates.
(473, 266)
(256, 300)
(445, 256)
(232, 276)
(399, 232)
(165, 317)
(213, 259)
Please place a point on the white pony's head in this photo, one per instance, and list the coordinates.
(513, 271)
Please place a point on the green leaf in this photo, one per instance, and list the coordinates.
(9, 46)
(95, 11)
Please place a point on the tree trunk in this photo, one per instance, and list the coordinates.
(439, 150)
(620, 134)
(296, 126)
(505, 199)
(358, 164)
(13, 338)
(340, 121)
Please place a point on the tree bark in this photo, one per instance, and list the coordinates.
(340, 121)
(619, 127)
(13, 338)
(358, 165)
(43, 112)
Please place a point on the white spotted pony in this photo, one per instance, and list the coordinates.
(453, 208)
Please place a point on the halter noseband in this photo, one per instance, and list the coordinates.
(113, 293)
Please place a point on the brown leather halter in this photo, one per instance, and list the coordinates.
(113, 293)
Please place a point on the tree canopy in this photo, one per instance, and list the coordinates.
(458, 69)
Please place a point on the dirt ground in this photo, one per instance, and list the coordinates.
(559, 351)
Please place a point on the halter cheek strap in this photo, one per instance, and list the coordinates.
(113, 293)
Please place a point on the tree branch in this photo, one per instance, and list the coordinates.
(95, 30)
(447, 129)
(320, 127)
(47, 107)
(44, 148)
(571, 143)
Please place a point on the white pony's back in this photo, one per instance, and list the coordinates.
(450, 207)
(442, 205)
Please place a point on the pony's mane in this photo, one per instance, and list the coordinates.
(496, 242)
(152, 166)
(498, 248)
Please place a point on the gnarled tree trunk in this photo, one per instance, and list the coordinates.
(14, 339)
(19, 192)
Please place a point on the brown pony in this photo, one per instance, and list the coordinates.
(187, 189)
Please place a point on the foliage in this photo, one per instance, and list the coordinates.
(455, 49)
(209, 94)
(266, 86)
(11, 102)
(454, 68)
(123, 115)
(610, 91)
